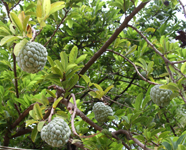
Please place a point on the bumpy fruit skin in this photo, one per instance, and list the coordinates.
(102, 112)
(56, 133)
(32, 57)
(161, 97)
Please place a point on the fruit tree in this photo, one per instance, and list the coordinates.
(93, 74)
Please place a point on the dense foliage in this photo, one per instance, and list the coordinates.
(110, 51)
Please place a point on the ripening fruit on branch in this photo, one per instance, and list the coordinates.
(102, 112)
(56, 133)
(32, 58)
(161, 97)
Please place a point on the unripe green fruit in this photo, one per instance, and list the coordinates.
(161, 97)
(56, 133)
(32, 57)
(102, 112)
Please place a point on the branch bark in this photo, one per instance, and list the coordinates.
(128, 134)
(112, 38)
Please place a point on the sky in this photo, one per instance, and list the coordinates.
(179, 14)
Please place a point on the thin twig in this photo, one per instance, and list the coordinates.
(169, 123)
(157, 51)
(183, 8)
(15, 80)
(72, 120)
(7, 8)
(52, 112)
(178, 62)
(128, 134)
(57, 28)
(15, 5)
(74, 114)
(133, 66)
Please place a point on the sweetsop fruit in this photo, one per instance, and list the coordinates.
(102, 112)
(161, 97)
(56, 133)
(32, 57)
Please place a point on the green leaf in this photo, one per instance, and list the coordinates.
(30, 122)
(44, 100)
(34, 134)
(70, 23)
(33, 114)
(37, 111)
(131, 49)
(143, 63)
(150, 30)
(108, 89)
(140, 119)
(145, 101)
(18, 47)
(139, 137)
(116, 42)
(46, 8)
(56, 70)
(170, 87)
(71, 83)
(62, 114)
(73, 54)
(39, 9)
(70, 66)
(25, 22)
(181, 147)
(126, 119)
(157, 131)
(30, 6)
(167, 145)
(81, 58)
(183, 68)
(40, 125)
(86, 78)
(93, 94)
(98, 87)
(181, 140)
(50, 61)
(64, 60)
(9, 38)
(164, 134)
(56, 102)
(56, 6)
(149, 67)
(16, 21)
(51, 93)
(5, 31)
(138, 101)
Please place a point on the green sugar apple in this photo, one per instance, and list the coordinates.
(161, 97)
(102, 112)
(56, 133)
(32, 57)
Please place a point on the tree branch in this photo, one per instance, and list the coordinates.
(183, 8)
(112, 38)
(57, 28)
(133, 66)
(15, 5)
(128, 134)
